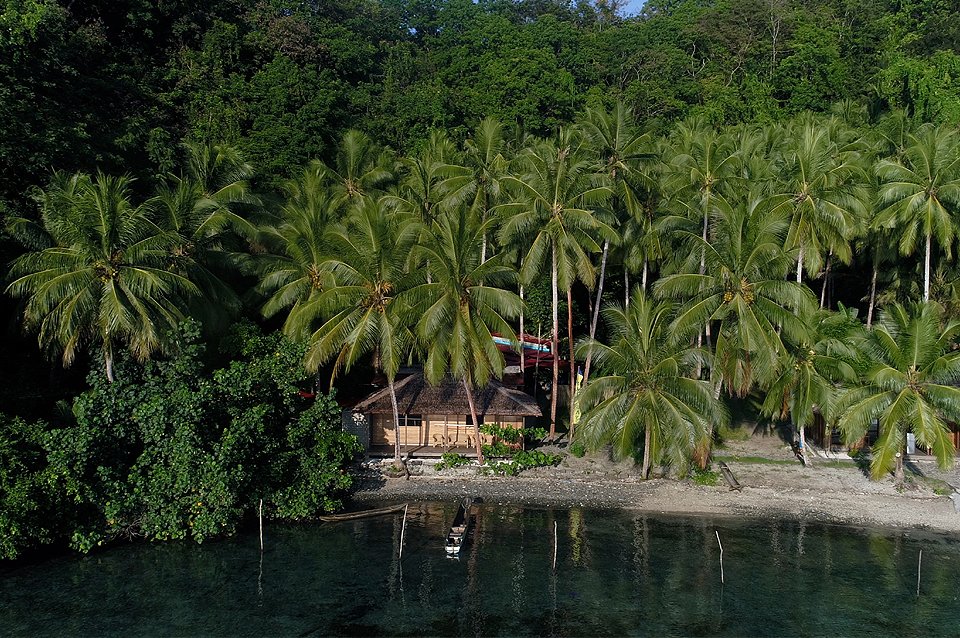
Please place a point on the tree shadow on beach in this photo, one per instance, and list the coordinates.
(862, 459)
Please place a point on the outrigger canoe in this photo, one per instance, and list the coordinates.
(459, 528)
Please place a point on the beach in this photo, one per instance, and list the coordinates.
(774, 484)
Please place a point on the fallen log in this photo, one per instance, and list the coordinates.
(729, 477)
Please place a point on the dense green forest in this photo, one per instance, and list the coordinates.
(214, 210)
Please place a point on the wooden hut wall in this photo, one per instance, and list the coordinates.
(436, 430)
(382, 432)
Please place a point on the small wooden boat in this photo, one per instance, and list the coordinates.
(351, 516)
(459, 528)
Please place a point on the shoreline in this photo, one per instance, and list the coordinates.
(825, 494)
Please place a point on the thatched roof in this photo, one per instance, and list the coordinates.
(415, 396)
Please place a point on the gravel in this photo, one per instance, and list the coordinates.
(830, 493)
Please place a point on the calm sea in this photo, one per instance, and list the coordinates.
(617, 573)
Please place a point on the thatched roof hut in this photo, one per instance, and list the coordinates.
(416, 396)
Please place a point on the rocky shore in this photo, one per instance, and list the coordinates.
(830, 490)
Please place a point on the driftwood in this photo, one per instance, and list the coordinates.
(729, 477)
(350, 516)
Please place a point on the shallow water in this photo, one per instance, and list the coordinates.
(617, 573)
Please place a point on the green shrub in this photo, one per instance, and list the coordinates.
(521, 461)
(578, 449)
(451, 460)
(497, 450)
(705, 477)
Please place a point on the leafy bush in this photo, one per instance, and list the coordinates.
(451, 460)
(31, 507)
(523, 460)
(497, 450)
(169, 451)
(578, 449)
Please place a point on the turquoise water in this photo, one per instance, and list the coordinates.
(617, 573)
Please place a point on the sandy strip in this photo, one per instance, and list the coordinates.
(830, 494)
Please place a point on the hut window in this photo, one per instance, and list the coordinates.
(413, 420)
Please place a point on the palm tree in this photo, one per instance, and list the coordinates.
(292, 271)
(699, 168)
(98, 276)
(812, 369)
(921, 194)
(647, 387)
(825, 184)
(362, 309)
(202, 211)
(360, 168)
(553, 216)
(620, 150)
(425, 187)
(909, 386)
(743, 290)
(462, 305)
(480, 184)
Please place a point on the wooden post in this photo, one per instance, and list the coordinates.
(536, 364)
(721, 555)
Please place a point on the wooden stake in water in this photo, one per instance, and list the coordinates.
(919, 560)
(261, 524)
(721, 555)
(403, 528)
(554, 545)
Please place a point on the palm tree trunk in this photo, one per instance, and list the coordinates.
(573, 363)
(523, 366)
(873, 296)
(826, 280)
(473, 415)
(800, 266)
(108, 359)
(596, 310)
(554, 343)
(645, 469)
(396, 422)
(706, 220)
(926, 271)
(803, 445)
(898, 472)
(643, 282)
(626, 287)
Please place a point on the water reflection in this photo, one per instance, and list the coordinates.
(617, 573)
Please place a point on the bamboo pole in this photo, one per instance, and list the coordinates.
(403, 529)
(919, 561)
(721, 555)
(554, 545)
